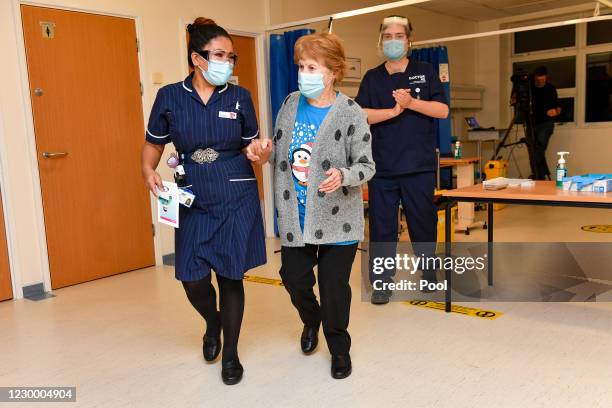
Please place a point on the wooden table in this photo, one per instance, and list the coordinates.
(465, 178)
(543, 193)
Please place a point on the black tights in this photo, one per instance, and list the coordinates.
(203, 297)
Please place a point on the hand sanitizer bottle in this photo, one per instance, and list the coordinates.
(561, 169)
(458, 152)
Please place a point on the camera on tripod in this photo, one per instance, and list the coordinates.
(521, 100)
(521, 96)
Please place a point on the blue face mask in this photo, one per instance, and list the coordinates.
(218, 72)
(394, 49)
(311, 85)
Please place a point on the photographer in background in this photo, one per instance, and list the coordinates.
(545, 107)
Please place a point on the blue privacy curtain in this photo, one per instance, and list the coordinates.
(283, 72)
(438, 57)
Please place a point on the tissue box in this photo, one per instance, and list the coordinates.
(603, 186)
(599, 183)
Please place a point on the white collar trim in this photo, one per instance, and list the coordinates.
(191, 90)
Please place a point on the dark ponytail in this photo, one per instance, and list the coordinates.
(201, 31)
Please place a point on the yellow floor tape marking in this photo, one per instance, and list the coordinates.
(261, 279)
(604, 228)
(468, 311)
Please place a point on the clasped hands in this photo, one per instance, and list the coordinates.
(403, 100)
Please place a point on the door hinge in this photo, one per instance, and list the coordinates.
(141, 89)
(137, 45)
(153, 229)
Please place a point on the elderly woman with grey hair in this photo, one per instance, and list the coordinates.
(321, 154)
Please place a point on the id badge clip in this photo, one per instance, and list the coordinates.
(186, 197)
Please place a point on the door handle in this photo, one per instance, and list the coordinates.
(53, 155)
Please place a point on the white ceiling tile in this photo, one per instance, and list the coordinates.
(481, 10)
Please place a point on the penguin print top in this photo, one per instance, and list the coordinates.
(307, 122)
(308, 119)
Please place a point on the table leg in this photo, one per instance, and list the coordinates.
(465, 213)
(447, 253)
(490, 242)
(480, 160)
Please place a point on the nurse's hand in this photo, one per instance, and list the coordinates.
(332, 182)
(397, 110)
(403, 97)
(153, 181)
(259, 150)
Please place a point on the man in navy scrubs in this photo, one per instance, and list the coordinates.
(401, 98)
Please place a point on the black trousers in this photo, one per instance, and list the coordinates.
(334, 269)
(416, 193)
(542, 133)
(537, 146)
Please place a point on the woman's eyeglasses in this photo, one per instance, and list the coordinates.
(218, 56)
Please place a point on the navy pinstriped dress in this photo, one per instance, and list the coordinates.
(223, 229)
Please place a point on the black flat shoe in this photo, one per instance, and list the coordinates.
(211, 348)
(380, 297)
(231, 372)
(341, 366)
(309, 339)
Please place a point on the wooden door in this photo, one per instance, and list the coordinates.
(88, 120)
(6, 291)
(246, 73)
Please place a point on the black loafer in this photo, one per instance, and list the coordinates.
(380, 297)
(211, 348)
(231, 372)
(309, 339)
(341, 366)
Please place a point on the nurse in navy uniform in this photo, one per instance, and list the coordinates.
(211, 122)
(401, 97)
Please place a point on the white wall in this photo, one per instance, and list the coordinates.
(162, 38)
(590, 145)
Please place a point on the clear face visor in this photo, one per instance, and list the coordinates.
(395, 20)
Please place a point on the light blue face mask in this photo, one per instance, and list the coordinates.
(311, 85)
(394, 49)
(218, 72)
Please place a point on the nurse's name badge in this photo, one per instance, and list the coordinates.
(228, 115)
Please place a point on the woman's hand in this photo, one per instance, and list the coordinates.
(153, 181)
(332, 182)
(259, 150)
(397, 110)
(403, 97)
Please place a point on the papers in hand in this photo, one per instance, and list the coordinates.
(168, 204)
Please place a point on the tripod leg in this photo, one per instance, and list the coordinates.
(528, 128)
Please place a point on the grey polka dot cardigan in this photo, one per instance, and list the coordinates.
(344, 142)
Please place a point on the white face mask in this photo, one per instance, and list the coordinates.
(311, 84)
(218, 72)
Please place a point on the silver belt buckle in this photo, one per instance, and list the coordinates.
(204, 156)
